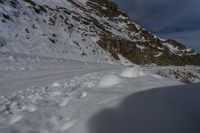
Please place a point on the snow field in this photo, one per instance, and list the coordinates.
(58, 94)
(63, 105)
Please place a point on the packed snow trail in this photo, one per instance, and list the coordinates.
(62, 99)
(41, 78)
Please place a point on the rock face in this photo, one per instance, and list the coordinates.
(95, 30)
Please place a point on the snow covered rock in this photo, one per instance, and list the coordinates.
(185, 74)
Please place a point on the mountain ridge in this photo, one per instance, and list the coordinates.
(95, 30)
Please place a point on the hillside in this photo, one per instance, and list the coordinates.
(92, 30)
(63, 62)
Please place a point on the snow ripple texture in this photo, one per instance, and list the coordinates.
(31, 99)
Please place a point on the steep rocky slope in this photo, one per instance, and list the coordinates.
(95, 30)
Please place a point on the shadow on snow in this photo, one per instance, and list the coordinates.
(161, 110)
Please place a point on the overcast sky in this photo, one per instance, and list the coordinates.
(178, 19)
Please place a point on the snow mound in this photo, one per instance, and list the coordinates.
(109, 81)
(55, 84)
(132, 72)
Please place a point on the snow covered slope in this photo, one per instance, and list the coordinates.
(58, 63)
(48, 28)
(53, 95)
(52, 99)
(93, 30)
